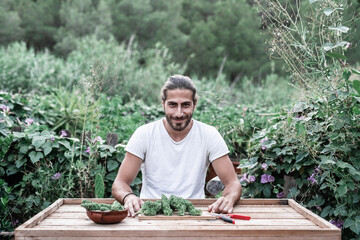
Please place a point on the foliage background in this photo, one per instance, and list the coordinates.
(94, 67)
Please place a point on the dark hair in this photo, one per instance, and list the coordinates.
(178, 82)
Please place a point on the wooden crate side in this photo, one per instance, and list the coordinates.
(206, 201)
(312, 216)
(180, 238)
(78, 201)
(42, 215)
(262, 201)
(148, 232)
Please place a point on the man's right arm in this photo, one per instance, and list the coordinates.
(121, 187)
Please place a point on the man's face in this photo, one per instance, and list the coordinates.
(179, 108)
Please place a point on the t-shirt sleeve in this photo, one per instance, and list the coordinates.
(137, 143)
(217, 146)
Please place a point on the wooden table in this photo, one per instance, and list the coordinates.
(270, 219)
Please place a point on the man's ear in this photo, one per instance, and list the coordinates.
(163, 104)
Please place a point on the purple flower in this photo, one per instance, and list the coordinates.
(15, 223)
(252, 178)
(264, 178)
(63, 133)
(263, 147)
(98, 139)
(87, 150)
(280, 195)
(56, 176)
(338, 223)
(52, 139)
(244, 178)
(263, 140)
(312, 179)
(29, 121)
(317, 170)
(264, 166)
(4, 108)
(267, 178)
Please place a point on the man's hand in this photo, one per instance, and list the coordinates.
(222, 205)
(133, 204)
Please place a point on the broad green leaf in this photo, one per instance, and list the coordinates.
(38, 141)
(136, 181)
(65, 144)
(343, 29)
(103, 154)
(342, 44)
(312, 1)
(342, 164)
(346, 75)
(336, 55)
(12, 169)
(353, 224)
(356, 85)
(301, 156)
(111, 176)
(340, 210)
(23, 149)
(329, 11)
(342, 190)
(326, 160)
(19, 134)
(35, 156)
(68, 154)
(300, 128)
(111, 165)
(20, 162)
(326, 211)
(355, 71)
(47, 148)
(356, 110)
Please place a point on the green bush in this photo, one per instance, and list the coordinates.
(317, 145)
(24, 70)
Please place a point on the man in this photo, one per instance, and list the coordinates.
(174, 154)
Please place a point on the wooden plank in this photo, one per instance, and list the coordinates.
(187, 238)
(237, 209)
(146, 227)
(206, 201)
(254, 215)
(312, 216)
(176, 231)
(77, 201)
(286, 223)
(43, 214)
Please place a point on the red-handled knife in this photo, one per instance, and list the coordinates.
(237, 216)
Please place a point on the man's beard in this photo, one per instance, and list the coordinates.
(180, 126)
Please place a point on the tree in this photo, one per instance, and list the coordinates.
(224, 36)
(80, 18)
(149, 21)
(40, 21)
(10, 23)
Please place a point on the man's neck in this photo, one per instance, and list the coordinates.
(177, 136)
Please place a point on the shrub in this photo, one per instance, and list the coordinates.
(316, 145)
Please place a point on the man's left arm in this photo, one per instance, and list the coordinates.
(232, 191)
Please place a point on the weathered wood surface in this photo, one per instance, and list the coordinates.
(270, 219)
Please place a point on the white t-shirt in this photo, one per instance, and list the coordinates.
(177, 168)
